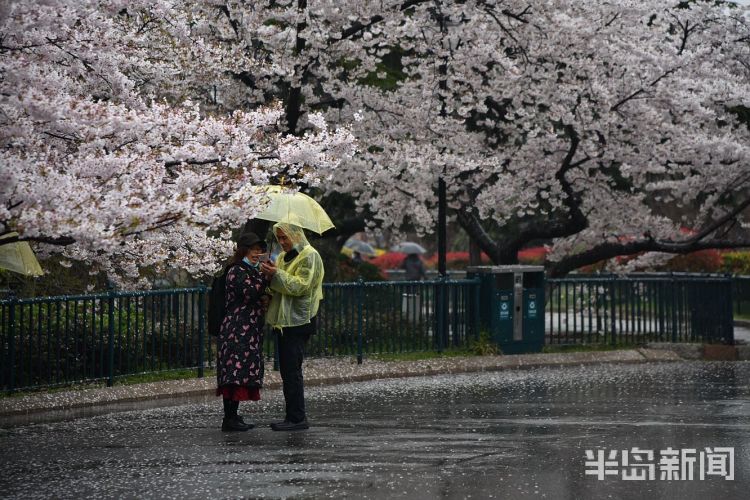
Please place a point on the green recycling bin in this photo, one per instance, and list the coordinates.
(512, 306)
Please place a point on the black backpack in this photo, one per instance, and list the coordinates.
(217, 303)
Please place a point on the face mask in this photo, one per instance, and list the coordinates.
(249, 263)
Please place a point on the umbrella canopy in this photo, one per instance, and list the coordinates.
(361, 247)
(19, 257)
(408, 247)
(295, 208)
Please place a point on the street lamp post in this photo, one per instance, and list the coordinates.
(442, 303)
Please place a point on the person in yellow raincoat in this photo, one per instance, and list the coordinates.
(296, 283)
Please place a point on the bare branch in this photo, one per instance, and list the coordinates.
(642, 90)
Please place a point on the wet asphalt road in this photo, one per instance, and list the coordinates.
(514, 434)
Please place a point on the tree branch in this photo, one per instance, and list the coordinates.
(610, 250)
(720, 222)
(358, 27)
(61, 241)
(473, 227)
(519, 16)
(570, 223)
(642, 90)
(174, 163)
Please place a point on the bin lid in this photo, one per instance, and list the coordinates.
(515, 268)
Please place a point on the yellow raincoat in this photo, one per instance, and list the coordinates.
(297, 286)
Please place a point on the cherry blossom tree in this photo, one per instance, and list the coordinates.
(115, 150)
(603, 127)
(606, 128)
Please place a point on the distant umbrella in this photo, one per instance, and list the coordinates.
(19, 257)
(408, 247)
(360, 246)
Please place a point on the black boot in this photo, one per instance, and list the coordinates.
(232, 422)
(235, 407)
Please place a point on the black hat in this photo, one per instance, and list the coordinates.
(248, 239)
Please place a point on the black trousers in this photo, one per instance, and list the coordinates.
(291, 354)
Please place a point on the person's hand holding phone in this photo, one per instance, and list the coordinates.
(268, 269)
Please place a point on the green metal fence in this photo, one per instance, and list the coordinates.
(741, 295)
(52, 341)
(389, 317)
(639, 308)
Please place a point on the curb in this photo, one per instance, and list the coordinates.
(644, 357)
(706, 352)
(318, 374)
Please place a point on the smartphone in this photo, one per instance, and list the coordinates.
(264, 257)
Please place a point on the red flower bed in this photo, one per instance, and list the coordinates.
(535, 255)
(456, 260)
(389, 260)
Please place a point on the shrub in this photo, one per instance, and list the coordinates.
(484, 345)
(349, 270)
(702, 261)
(736, 262)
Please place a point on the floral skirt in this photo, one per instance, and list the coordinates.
(238, 393)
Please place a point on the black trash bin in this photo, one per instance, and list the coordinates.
(512, 306)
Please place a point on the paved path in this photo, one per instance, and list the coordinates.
(742, 333)
(67, 404)
(512, 434)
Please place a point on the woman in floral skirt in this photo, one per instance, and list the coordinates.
(239, 367)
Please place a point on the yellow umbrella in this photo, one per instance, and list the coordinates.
(295, 208)
(19, 257)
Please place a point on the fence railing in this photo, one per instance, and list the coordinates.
(430, 274)
(386, 317)
(639, 308)
(741, 295)
(52, 341)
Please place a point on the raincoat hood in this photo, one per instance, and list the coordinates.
(297, 286)
(295, 233)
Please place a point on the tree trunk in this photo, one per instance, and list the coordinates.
(475, 253)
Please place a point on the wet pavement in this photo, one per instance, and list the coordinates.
(742, 333)
(510, 434)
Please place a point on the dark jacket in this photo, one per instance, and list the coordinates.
(414, 267)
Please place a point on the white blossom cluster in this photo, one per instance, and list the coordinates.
(112, 150)
(133, 127)
(524, 107)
